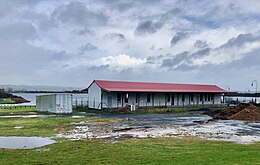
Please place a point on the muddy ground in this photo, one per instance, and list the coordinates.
(241, 125)
(167, 125)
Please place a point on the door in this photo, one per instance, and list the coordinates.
(137, 98)
(172, 102)
(198, 100)
(109, 101)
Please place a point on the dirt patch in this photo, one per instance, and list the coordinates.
(247, 112)
(19, 100)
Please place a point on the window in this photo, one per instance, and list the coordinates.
(168, 97)
(148, 98)
(183, 97)
(137, 98)
(201, 97)
(191, 97)
(172, 99)
(210, 97)
(118, 97)
(178, 96)
(126, 98)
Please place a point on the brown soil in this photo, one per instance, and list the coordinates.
(19, 100)
(247, 112)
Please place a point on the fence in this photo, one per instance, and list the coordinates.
(80, 101)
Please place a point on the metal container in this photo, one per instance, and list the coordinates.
(54, 103)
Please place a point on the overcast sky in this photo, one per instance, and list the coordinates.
(72, 42)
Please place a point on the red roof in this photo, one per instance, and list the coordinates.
(122, 86)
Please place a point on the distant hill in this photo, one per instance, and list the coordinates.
(38, 88)
(5, 95)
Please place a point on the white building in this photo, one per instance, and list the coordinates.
(54, 103)
(112, 94)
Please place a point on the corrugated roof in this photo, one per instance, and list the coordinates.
(123, 86)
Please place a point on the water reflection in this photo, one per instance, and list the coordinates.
(23, 142)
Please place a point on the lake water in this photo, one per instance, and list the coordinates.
(245, 99)
(23, 142)
(78, 98)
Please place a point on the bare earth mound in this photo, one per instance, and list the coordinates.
(247, 112)
(251, 114)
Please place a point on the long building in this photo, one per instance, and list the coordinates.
(115, 94)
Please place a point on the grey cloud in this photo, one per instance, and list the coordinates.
(181, 60)
(116, 36)
(147, 27)
(240, 40)
(201, 44)
(170, 14)
(218, 15)
(84, 32)
(126, 5)
(120, 6)
(178, 37)
(23, 61)
(80, 21)
(100, 68)
(155, 59)
(200, 53)
(184, 61)
(185, 67)
(173, 61)
(9, 6)
(251, 60)
(77, 13)
(88, 47)
(235, 73)
(18, 31)
(152, 47)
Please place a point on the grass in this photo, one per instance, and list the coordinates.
(154, 110)
(137, 151)
(17, 110)
(7, 101)
(41, 126)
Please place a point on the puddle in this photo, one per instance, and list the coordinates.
(29, 116)
(39, 116)
(23, 142)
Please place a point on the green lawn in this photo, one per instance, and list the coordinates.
(137, 151)
(138, 111)
(41, 126)
(17, 110)
(7, 101)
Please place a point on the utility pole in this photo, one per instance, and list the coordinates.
(252, 84)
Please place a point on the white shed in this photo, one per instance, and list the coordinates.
(54, 103)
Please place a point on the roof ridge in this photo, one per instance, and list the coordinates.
(123, 81)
